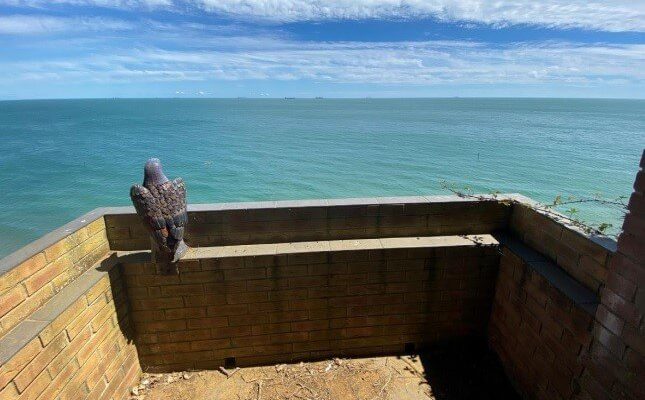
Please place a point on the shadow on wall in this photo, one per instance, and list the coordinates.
(113, 266)
(465, 370)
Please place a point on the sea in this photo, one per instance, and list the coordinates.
(62, 158)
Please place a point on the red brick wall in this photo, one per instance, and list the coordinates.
(538, 332)
(281, 308)
(582, 257)
(616, 361)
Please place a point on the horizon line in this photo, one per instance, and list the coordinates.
(323, 98)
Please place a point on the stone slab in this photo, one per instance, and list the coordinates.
(31, 327)
(302, 247)
(565, 283)
(301, 203)
(402, 200)
(18, 337)
(70, 293)
(520, 249)
(16, 258)
(358, 244)
(247, 250)
(556, 276)
(338, 245)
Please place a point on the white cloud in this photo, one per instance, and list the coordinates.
(409, 63)
(39, 24)
(607, 15)
(97, 3)
(604, 15)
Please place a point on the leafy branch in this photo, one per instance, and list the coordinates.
(551, 209)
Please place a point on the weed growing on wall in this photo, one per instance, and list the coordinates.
(561, 208)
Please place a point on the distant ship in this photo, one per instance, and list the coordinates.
(289, 98)
(319, 97)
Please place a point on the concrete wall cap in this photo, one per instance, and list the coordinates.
(16, 258)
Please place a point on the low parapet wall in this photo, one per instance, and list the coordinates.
(310, 220)
(259, 304)
(284, 281)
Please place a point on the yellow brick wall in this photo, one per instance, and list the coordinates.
(87, 352)
(31, 284)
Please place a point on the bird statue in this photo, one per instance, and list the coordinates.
(161, 205)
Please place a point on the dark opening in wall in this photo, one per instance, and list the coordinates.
(409, 348)
(229, 363)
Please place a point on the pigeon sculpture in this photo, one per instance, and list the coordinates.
(161, 205)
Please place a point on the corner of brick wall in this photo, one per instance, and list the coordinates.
(537, 331)
(615, 367)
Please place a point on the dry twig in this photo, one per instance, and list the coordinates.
(227, 372)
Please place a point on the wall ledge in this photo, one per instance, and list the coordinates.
(23, 254)
(35, 324)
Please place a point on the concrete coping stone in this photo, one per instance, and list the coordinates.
(33, 325)
(556, 276)
(255, 205)
(339, 245)
(16, 258)
(603, 241)
(19, 337)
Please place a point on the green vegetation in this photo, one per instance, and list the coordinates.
(562, 208)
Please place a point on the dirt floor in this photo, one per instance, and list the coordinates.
(461, 374)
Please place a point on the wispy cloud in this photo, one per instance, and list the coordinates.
(617, 15)
(603, 15)
(55, 48)
(42, 24)
(410, 63)
(122, 4)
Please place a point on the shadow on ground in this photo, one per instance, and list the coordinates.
(450, 372)
(465, 370)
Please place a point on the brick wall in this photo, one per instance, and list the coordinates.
(616, 361)
(30, 284)
(81, 349)
(538, 329)
(279, 308)
(583, 256)
(566, 321)
(295, 221)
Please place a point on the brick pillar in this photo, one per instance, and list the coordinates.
(615, 367)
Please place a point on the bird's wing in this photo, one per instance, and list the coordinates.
(148, 209)
(174, 210)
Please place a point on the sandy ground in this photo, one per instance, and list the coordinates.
(447, 377)
(371, 378)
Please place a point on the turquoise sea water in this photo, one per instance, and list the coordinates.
(61, 158)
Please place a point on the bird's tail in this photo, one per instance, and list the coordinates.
(180, 249)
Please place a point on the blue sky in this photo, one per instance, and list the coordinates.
(330, 48)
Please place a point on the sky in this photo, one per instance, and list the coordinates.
(329, 48)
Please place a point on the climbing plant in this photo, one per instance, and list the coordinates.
(560, 208)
